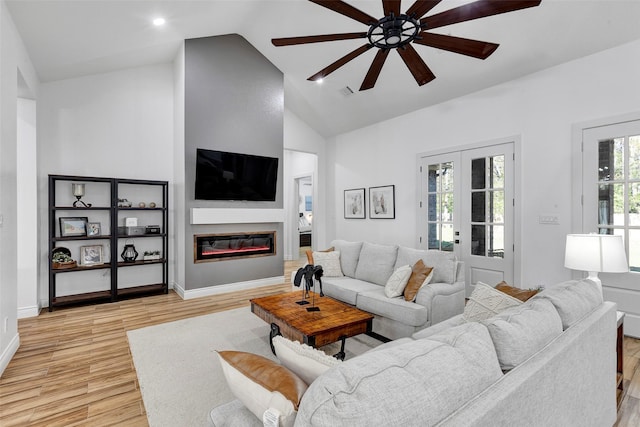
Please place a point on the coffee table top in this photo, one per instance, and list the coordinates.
(333, 314)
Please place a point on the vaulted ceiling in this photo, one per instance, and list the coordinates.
(71, 38)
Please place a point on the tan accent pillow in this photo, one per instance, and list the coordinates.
(260, 383)
(521, 294)
(419, 275)
(310, 255)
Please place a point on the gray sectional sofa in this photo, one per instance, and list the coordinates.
(367, 267)
(549, 361)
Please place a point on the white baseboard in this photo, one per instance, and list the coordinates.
(7, 355)
(222, 289)
(24, 312)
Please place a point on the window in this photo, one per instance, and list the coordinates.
(440, 206)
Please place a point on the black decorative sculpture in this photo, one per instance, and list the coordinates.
(307, 274)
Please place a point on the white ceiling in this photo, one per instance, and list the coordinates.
(71, 38)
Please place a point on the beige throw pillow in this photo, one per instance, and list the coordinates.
(397, 282)
(260, 383)
(330, 262)
(486, 301)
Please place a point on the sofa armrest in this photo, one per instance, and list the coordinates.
(443, 300)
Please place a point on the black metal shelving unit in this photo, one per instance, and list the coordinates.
(114, 293)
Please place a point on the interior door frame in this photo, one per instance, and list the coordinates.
(516, 140)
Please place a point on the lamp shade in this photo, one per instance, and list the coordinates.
(595, 252)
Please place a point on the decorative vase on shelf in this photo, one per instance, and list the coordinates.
(129, 253)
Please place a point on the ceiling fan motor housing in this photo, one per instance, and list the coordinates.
(393, 31)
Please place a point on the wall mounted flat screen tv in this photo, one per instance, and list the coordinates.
(221, 175)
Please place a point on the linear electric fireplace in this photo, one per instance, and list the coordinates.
(219, 247)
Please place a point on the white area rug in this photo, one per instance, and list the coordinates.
(179, 373)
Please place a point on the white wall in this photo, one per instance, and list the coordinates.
(27, 201)
(540, 108)
(13, 58)
(117, 124)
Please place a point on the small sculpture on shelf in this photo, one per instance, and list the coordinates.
(78, 192)
(124, 203)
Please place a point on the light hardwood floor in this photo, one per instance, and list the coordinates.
(74, 367)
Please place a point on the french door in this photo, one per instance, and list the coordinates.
(611, 205)
(466, 207)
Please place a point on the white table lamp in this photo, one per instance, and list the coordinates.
(595, 253)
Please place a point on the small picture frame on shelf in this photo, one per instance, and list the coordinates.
(93, 229)
(73, 226)
(91, 255)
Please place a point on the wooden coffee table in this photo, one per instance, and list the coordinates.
(334, 321)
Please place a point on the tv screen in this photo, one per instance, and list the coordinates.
(221, 175)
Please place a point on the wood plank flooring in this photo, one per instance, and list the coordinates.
(74, 368)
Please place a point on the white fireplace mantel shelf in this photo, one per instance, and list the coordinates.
(235, 216)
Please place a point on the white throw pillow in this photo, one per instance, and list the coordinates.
(397, 282)
(260, 384)
(486, 301)
(303, 360)
(330, 262)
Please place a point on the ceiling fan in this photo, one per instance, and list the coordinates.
(396, 30)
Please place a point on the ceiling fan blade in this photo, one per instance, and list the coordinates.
(374, 71)
(391, 6)
(288, 41)
(420, 7)
(340, 62)
(474, 48)
(416, 65)
(475, 10)
(347, 10)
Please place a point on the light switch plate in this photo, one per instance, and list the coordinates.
(549, 219)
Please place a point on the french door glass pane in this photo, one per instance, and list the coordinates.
(634, 157)
(611, 204)
(611, 159)
(634, 250)
(497, 171)
(433, 241)
(447, 207)
(432, 180)
(496, 241)
(447, 177)
(440, 180)
(432, 214)
(634, 204)
(447, 238)
(478, 206)
(496, 206)
(478, 174)
(478, 240)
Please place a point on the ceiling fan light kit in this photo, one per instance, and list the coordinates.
(399, 31)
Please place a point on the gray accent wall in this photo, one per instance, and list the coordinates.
(234, 101)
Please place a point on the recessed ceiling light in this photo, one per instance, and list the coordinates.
(159, 22)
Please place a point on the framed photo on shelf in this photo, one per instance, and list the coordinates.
(91, 255)
(73, 226)
(93, 229)
(354, 206)
(382, 204)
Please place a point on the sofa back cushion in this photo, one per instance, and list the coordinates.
(416, 383)
(376, 263)
(521, 331)
(349, 255)
(573, 299)
(444, 263)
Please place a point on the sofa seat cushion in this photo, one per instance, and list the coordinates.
(444, 263)
(376, 302)
(346, 289)
(573, 299)
(414, 384)
(376, 263)
(521, 331)
(349, 255)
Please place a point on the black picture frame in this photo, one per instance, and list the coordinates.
(354, 203)
(73, 226)
(382, 202)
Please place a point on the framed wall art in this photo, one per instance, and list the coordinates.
(354, 205)
(73, 226)
(382, 203)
